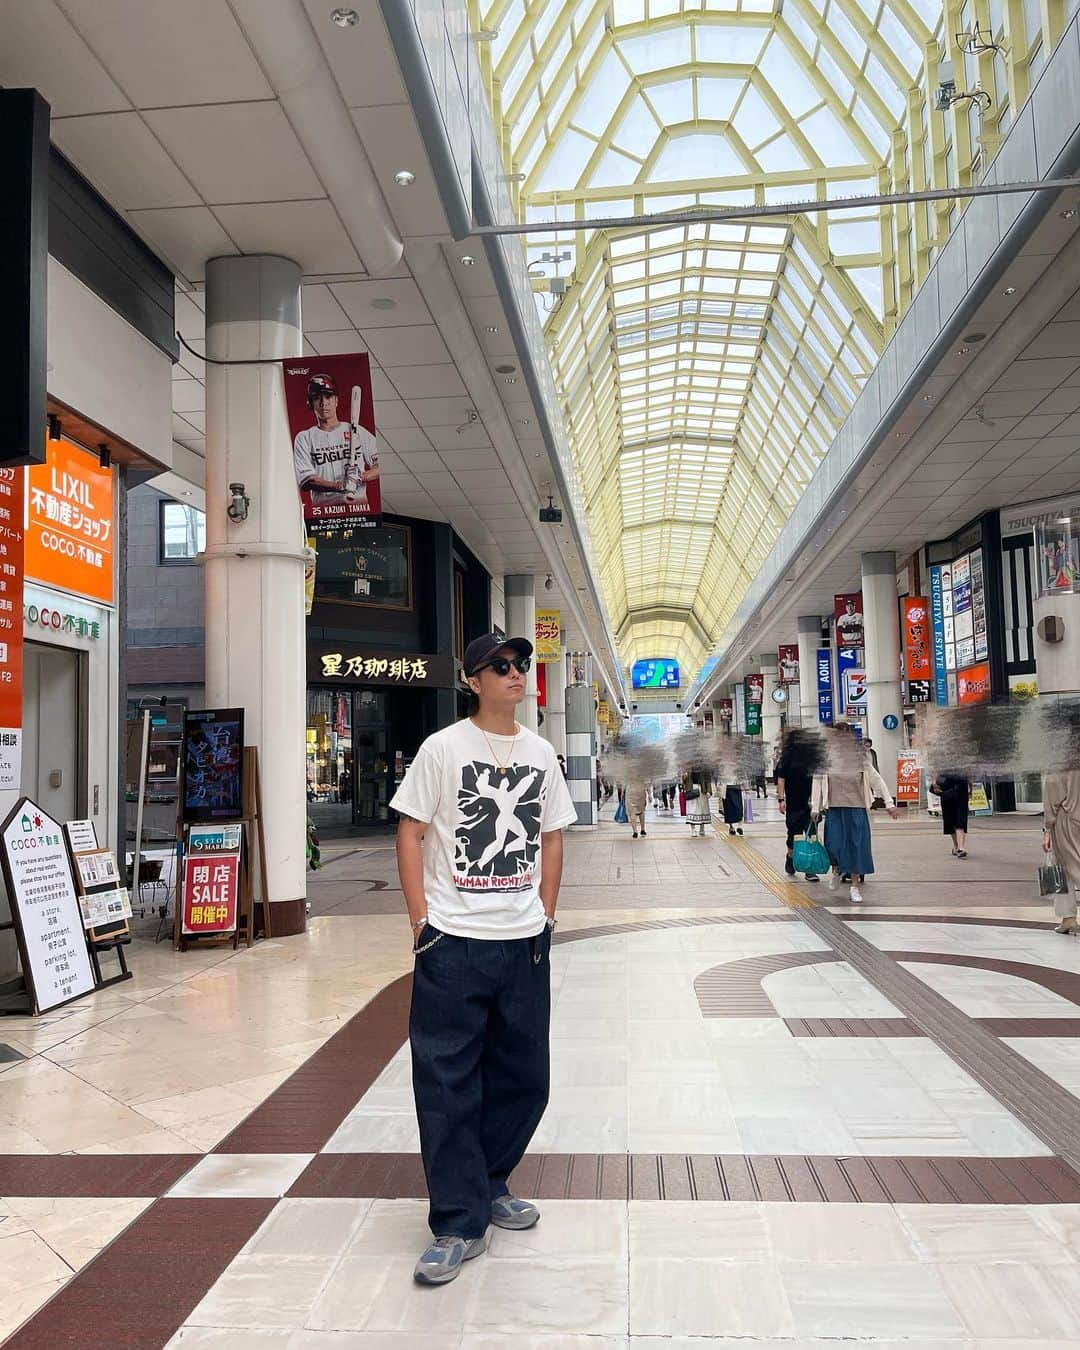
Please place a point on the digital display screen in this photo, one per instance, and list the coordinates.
(213, 757)
(662, 673)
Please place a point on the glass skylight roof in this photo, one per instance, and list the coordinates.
(704, 368)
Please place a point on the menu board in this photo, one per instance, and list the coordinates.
(44, 907)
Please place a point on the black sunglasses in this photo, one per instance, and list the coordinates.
(501, 665)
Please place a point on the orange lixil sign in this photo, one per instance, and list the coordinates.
(69, 522)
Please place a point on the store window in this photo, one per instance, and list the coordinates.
(182, 532)
(366, 567)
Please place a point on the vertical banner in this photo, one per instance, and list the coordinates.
(937, 618)
(824, 686)
(548, 636)
(788, 663)
(855, 691)
(755, 692)
(848, 613)
(11, 626)
(332, 425)
(908, 776)
(847, 661)
(918, 666)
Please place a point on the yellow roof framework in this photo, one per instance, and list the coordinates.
(705, 368)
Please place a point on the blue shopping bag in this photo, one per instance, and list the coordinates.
(809, 854)
(621, 818)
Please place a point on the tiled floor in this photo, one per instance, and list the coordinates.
(230, 1249)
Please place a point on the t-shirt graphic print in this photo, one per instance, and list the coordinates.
(498, 833)
(482, 854)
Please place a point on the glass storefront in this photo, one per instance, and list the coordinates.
(348, 757)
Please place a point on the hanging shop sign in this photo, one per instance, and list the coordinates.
(754, 686)
(788, 663)
(332, 428)
(824, 686)
(848, 614)
(69, 522)
(11, 629)
(212, 757)
(973, 684)
(937, 620)
(908, 776)
(211, 892)
(332, 663)
(44, 907)
(548, 646)
(917, 662)
(855, 691)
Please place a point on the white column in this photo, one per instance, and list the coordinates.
(554, 728)
(881, 623)
(521, 622)
(255, 627)
(581, 737)
(1057, 663)
(809, 644)
(770, 712)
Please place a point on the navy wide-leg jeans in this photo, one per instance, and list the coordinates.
(479, 1032)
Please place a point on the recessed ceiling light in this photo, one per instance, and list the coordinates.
(1069, 214)
(1009, 290)
(928, 398)
(404, 178)
(467, 260)
(344, 18)
(525, 422)
(963, 351)
(493, 327)
(506, 370)
(511, 379)
(383, 302)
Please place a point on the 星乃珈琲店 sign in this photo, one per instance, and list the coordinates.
(333, 664)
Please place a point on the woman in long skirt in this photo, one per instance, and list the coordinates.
(698, 811)
(954, 791)
(733, 808)
(844, 796)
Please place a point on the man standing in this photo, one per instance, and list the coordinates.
(479, 851)
(799, 756)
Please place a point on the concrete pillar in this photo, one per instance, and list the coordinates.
(881, 628)
(521, 622)
(1057, 662)
(809, 644)
(554, 728)
(580, 736)
(771, 713)
(255, 627)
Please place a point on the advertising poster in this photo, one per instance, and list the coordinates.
(754, 686)
(211, 892)
(105, 907)
(908, 776)
(848, 613)
(548, 636)
(917, 662)
(824, 686)
(212, 756)
(979, 801)
(11, 627)
(45, 907)
(332, 428)
(788, 663)
(69, 522)
(937, 618)
(978, 607)
(973, 684)
(97, 868)
(855, 691)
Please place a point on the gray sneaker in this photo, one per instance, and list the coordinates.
(442, 1261)
(510, 1212)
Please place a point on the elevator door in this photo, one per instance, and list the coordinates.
(52, 730)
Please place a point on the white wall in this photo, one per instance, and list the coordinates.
(106, 371)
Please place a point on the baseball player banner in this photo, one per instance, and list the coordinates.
(848, 614)
(332, 425)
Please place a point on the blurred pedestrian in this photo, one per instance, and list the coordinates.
(698, 811)
(844, 795)
(1061, 836)
(733, 808)
(955, 793)
(799, 753)
(636, 796)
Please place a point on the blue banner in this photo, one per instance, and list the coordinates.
(824, 686)
(937, 617)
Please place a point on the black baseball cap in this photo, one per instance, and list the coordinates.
(480, 650)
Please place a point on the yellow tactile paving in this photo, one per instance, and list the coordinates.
(787, 893)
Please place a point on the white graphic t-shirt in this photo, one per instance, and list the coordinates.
(482, 854)
(327, 455)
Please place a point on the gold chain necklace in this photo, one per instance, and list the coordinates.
(500, 764)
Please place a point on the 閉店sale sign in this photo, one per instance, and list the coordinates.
(211, 892)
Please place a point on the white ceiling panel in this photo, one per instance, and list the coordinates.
(358, 299)
(348, 340)
(163, 53)
(423, 463)
(464, 435)
(442, 412)
(458, 460)
(1045, 373)
(361, 58)
(41, 50)
(419, 345)
(123, 159)
(392, 142)
(391, 413)
(237, 152)
(409, 441)
(185, 237)
(320, 310)
(426, 381)
(309, 232)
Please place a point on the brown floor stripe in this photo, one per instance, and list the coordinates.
(142, 1288)
(101, 1175)
(672, 1177)
(885, 1028)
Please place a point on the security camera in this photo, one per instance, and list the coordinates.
(548, 583)
(238, 503)
(551, 514)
